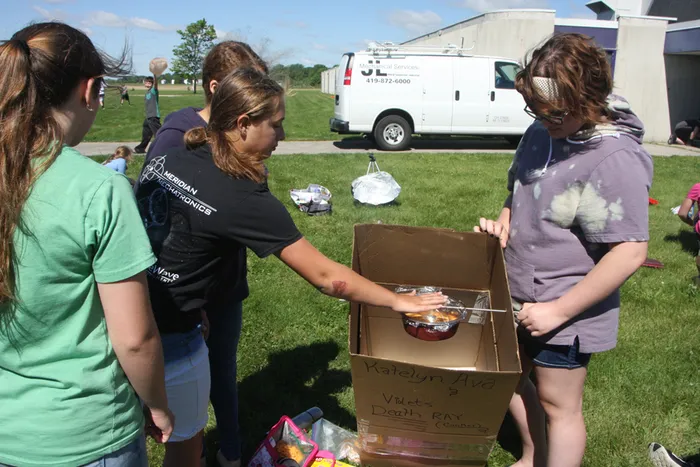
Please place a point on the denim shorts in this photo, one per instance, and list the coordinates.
(187, 382)
(132, 455)
(553, 356)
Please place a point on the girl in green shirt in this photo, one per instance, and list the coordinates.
(78, 342)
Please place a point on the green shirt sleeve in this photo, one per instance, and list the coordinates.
(115, 234)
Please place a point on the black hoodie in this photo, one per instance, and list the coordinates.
(172, 133)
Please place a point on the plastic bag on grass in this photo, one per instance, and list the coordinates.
(376, 187)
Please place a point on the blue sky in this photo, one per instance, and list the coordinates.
(307, 32)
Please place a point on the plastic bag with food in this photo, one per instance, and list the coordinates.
(341, 442)
(158, 65)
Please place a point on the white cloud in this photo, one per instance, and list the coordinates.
(319, 46)
(56, 2)
(46, 14)
(483, 6)
(50, 15)
(149, 24)
(307, 62)
(106, 19)
(415, 22)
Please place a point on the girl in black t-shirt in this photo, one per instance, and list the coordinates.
(202, 207)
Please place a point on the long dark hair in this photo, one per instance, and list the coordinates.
(40, 68)
(243, 92)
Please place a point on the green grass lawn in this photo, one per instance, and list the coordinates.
(293, 352)
(308, 112)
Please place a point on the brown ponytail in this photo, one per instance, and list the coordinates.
(247, 92)
(195, 138)
(40, 68)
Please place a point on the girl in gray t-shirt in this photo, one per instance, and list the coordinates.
(574, 228)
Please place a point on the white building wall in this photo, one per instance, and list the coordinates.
(328, 81)
(509, 33)
(640, 73)
(683, 77)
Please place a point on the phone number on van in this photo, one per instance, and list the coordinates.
(389, 80)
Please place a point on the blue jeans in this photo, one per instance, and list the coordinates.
(224, 333)
(132, 455)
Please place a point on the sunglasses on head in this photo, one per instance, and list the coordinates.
(556, 118)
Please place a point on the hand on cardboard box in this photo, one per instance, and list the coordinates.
(541, 318)
(493, 228)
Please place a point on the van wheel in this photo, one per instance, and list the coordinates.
(393, 133)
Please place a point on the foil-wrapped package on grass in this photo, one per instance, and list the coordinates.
(376, 187)
(313, 200)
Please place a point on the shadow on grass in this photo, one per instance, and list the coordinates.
(390, 204)
(293, 381)
(431, 143)
(687, 239)
(509, 438)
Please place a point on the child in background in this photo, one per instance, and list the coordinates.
(120, 159)
(101, 94)
(151, 123)
(124, 92)
(685, 213)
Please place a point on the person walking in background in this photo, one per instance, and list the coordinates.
(225, 314)
(120, 159)
(78, 342)
(151, 123)
(101, 95)
(124, 93)
(574, 228)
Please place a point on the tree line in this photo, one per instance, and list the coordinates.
(196, 41)
(296, 76)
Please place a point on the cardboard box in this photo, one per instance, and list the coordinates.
(431, 403)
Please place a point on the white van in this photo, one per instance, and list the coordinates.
(390, 92)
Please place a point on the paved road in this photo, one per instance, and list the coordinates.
(350, 146)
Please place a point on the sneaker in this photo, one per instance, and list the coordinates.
(662, 457)
(672, 139)
(223, 462)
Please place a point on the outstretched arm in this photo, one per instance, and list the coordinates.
(339, 281)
